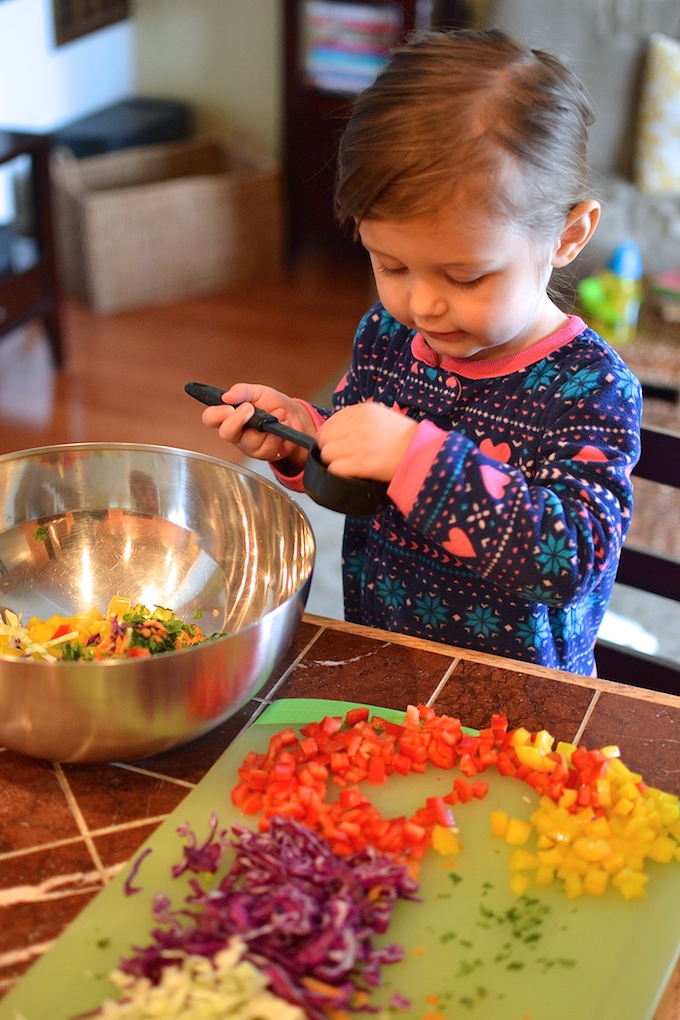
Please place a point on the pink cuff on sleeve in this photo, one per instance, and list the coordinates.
(295, 482)
(317, 417)
(415, 465)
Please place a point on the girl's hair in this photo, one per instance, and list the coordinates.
(445, 111)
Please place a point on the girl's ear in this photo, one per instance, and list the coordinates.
(578, 230)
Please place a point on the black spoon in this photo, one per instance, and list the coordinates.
(356, 497)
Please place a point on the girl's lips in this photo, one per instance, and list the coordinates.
(457, 335)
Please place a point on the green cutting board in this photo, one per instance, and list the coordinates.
(473, 950)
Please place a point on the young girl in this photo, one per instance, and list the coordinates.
(506, 429)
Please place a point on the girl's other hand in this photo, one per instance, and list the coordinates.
(230, 422)
(365, 441)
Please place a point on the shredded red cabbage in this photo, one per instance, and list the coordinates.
(308, 917)
(205, 857)
(117, 628)
(129, 888)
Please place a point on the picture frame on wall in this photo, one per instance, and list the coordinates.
(75, 18)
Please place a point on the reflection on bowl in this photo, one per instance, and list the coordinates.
(214, 542)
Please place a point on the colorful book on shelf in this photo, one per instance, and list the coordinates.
(347, 43)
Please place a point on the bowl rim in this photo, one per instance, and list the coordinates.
(174, 450)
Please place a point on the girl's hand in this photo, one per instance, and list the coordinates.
(230, 423)
(365, 441)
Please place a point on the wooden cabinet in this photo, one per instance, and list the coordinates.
(314, 119)
(28, 275)
(315, 113)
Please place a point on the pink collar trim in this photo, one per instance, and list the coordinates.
(498, 366)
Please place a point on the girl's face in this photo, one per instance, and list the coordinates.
(475, 287)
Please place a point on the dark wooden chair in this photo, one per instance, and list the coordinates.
(646, 571)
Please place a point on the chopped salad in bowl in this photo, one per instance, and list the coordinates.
(124, 631)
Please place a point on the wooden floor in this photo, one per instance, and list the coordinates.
(123, 375)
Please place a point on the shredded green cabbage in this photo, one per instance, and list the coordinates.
(197, 989)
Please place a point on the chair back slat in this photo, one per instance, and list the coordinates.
(645, 571)
(648, 572)
(628, 666)
(659, 457)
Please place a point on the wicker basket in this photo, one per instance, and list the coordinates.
(155, 223)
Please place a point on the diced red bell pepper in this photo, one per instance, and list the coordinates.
(376, 771)
(463, 789)
(401, 764)
(356, 715)
(467, 765)
(441, 755)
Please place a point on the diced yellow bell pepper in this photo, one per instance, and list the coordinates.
(565, 748)
(614, 863)
(544, 741)
(445, 841)
(623, 806)
(499, 824)
(518, 832)
(522, 860)
(552, 858)
(532, 756)
(118, 606)
(592, 849)
(572, 863)
(669, 814)
(600, 828)
(604, 792)
(544, 875)
(520, 737)
(595, 881)
(519, 883)
(662, 849)
(568, 798)
(628, 790)
(637, 828)
(611, 751)
(573, 885)
(631, 884)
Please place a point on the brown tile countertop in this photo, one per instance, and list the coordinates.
(67, 829)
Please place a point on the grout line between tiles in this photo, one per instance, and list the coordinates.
(586, 716)
(442, 683)
(106, 831)
(58, 887)
(80, 822)
(152, 775)
(296, 662)
(15, 956)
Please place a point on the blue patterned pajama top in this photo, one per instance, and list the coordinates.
(511, 504)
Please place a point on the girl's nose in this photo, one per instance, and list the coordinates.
(426, 301)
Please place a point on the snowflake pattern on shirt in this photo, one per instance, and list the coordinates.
(511, 540)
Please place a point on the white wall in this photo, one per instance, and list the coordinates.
(222, 56)
(43, 86)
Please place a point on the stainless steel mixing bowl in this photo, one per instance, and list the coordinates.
(195, 534)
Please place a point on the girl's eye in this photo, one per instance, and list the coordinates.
(392, 272)
(465, 284)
